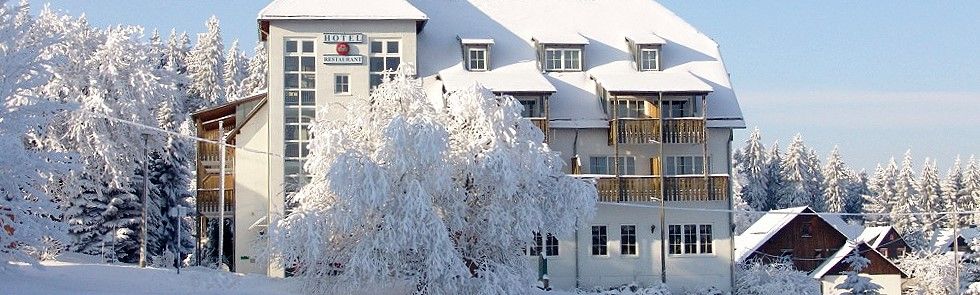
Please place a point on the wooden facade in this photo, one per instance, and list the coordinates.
(807, 239)
(647, 188)
(880, 265)
(892, 246)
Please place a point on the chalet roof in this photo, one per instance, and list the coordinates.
(851, 231)
(874, 235)
(514, 24)
(507, 79)
(843, 252)
(943, 239)
(337, 9)
(763, 230)
(225, 109)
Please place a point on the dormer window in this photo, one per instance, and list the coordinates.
(646, 51)
(476, 53)
(477, 58)
(559, 52)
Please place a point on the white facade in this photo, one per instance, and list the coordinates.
(433, 36)
(890, 284)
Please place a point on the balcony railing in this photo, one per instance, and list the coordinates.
(650, 130)
(646, 188)
(542, 124)
(207, 200)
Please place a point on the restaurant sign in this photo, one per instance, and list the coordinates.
(336, 59)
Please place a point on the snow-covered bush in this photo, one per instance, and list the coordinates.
(855, 284)
(441, 198)
(758, 278)
(932, 273)
(630, 289)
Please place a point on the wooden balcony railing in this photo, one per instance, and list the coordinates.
(542, 124)
(634, 130)
(684, 130)
(640, 131)
(646, 188)
(207, 200)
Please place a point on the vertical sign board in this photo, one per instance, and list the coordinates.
(343, 58)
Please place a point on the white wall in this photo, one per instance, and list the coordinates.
(890, 284)
(251, 190)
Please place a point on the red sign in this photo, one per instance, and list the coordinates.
(343, 48)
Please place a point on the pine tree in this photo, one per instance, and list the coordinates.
(971, 183)
(836, 183)
(751, 171)
(257, 76)
(931, 198)
(815, 184)
(857, 192)
(905, 205)
(855, 284)
(743, 217)
(27, 211)
(801, 181)
(955, 193)
(234, 71)
(775, 184)
(875, 206)
(204, 68)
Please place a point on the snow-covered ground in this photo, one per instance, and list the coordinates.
(79, 274)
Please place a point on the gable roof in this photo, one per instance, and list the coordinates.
(603, 24)
(338, 9)
(943, 239)
(874, 235)
(848, 248)
(764, 229)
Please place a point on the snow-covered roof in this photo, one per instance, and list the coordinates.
(474, 41)
(943, 239)
(764, 229)
(848, 248)
(553, 36)
(651, 82)
(337, 9)
(645, 38)
(874, 235)
(509, 79)
(512, 24)
(851, 231)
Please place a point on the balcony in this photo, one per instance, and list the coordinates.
(647, 188)
(541, 123)
(208, 203)
(650, 130)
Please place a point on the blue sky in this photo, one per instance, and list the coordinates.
(874, 77)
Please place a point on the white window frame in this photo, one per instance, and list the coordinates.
(634, 109)
(302, 110)
(470, 59)
(679, 243)
(623, 237)
(672, 165)
(593, 244)
(628, 164)
(341, 87)
(564, 62)
(385, 54)
(644, 64)
(691, 110)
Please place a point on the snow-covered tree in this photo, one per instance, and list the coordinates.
(801, 186)
(775, 184)
(857, 191)
(956, 194)
(933, 273)
(931, 198)
(837, 186)
(971, 183)
(905, 205)
(759, 278)
(26, 210)
(875, 208)
(751, 170)
(257, 75)
(855, 284)
(204, 68)
(743, 215)
(816, 182)
(234, 71)
(403, 191)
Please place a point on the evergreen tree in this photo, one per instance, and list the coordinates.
(775, 184)
(801, 181)
(256, 79)
(234, 71)
(931, 198)
(857, 192)
(875, 204)
(971, 183)
(905, 205)
(955, 193)
(855, 284)
(751, 171)
(815, 185)
(837, 186)
(204, 68)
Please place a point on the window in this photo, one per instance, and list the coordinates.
(477, 59)
(900, 251)
(530, 108)
(805, 229)
(690, 239)
(563, 59)
(385, 57)
(628, 239)
(299, 76)
(684, 165)
(599, 240)
(649, 59)
(341, 84)
(607, 165)
(680, 106)
(549, 245)
(631, 109)
(883, 251)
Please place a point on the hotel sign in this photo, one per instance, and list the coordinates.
(343, 38)
(336, 59)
